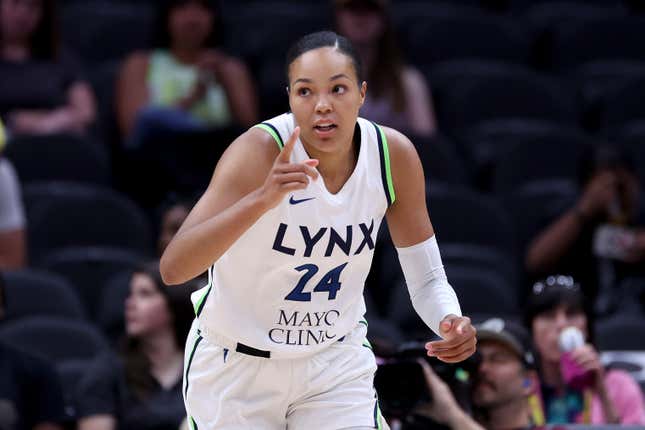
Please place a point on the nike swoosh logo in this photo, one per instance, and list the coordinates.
(295, 202)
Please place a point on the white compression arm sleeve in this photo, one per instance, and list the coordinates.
(432, 296)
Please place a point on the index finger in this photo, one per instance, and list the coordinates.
(285, 154)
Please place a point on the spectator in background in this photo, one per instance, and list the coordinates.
(187, 83)
(612, 397)
(398, 95)
(173, 215)
(12, 218)
(504, 384)
(141, 388)
(600, 238)
(31, 397)
(42, 90)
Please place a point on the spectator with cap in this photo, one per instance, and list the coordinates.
(31, 397)
(42, 89)
(398, 95)
(504, 384)
(611, 396)
(12, 217)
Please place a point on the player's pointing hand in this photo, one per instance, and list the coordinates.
(285, 176)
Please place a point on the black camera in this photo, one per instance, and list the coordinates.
(401, 384)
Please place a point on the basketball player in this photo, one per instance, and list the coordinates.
(286, 230)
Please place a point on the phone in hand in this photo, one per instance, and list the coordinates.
(613, 242)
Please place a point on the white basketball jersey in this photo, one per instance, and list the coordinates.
(293, 283)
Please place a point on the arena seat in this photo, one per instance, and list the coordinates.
(62, 214)
(32, 292)
(54, 339)
(63, 157)
(89, 268)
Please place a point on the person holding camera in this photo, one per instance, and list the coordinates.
(600, 238)
(504, 382)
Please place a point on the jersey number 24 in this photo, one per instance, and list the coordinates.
(329, 283)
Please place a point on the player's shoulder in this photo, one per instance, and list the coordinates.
(400, 147)
(255, 148)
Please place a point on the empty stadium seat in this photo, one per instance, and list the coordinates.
(541, 158)
(533, 203)
(515, 95)
(68, 214)
(625, 105)
(70, 372)
(54, 339)
(486, 143)
(106, 30)
(434, 33)
(444, 76)
(59, 157)
(597, 80)
(33, 292)
(89, 268)
(275, 26)
(110, 314)
(631, 139)
(576, 43)
(466, 217)
(440, 160)
(621, 333)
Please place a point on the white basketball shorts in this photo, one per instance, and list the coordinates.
(330, 390)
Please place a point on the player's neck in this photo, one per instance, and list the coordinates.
(336, 168)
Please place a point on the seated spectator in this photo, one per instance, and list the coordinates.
(141, 388)
(185, 84)
(608, 396)
(600, 238)
(504, 384)
(31, 396)
(42, 90)
(397, 95)
(12, 217)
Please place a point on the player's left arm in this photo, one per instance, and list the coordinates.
(413, 235)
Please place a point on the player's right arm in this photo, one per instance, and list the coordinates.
(252, 177)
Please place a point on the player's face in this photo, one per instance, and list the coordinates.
(19, 18)
(548, 325)
(500, 376)
(190, 24)
(146, 309)
(325, 98)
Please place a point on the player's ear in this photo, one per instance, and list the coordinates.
(363, 92)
